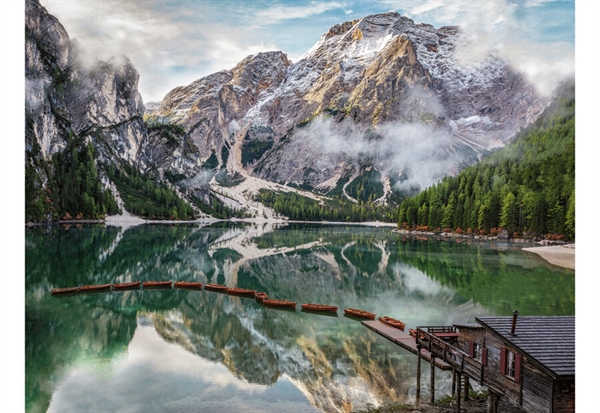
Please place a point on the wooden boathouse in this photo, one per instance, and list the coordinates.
(527, 363)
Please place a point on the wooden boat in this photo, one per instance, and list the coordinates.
(319, 307)
(188, 285)
(359, 313)
(127, 286)
(392, 322)
(413, 333)
(96, 288)
(148, 285)
(279, 303)
(216, 287)
(242, 292)
(64, 291)
(260, 296)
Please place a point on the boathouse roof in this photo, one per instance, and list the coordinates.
(547, 340)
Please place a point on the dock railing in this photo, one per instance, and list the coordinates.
(452, 355)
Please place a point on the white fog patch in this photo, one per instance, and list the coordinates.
(35, 93)
(419, 150)
(201, 179)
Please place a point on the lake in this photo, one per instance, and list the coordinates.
(181, 351)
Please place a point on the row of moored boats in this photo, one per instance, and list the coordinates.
(241, 292)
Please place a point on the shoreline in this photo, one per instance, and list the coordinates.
(560, 255)
(132, 220)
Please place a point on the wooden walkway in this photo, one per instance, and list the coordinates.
(404, 340)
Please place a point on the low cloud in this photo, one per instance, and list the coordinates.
(419, 150)
(281, 13)
(170, 45)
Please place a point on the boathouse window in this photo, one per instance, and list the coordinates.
(510, 364)
(476, 351)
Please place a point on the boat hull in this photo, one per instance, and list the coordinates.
(155, 285)
(242, 292)
(279, 303)
(359, 313)
(216, 287)
(392, 322)
(65, 291)
(187, 285)
(98, 288)
(127, 286)
(319, 307)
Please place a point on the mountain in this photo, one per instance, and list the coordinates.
(81, 118)
(64, 95)
(379, 94)
(379, 108)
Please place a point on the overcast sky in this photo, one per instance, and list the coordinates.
(174, 42)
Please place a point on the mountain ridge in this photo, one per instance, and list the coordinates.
(379, 102)
(366, 73)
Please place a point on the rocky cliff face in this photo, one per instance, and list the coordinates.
(379, 93)
(379, 98)
(66, 97)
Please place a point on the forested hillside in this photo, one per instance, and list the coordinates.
(527, 187)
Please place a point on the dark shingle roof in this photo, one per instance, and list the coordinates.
(550, 340)
(468, 326)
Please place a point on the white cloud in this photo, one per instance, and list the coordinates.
(168, 47)
(277, 14)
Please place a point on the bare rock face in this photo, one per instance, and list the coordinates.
(66, 98)
(208, 108)
(379, 93)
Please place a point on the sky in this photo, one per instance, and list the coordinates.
(174, 42)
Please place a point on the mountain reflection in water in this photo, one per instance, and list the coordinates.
(179, 350)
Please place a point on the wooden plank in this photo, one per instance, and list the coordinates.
(404, 340)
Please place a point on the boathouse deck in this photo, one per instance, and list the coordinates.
(404, 340)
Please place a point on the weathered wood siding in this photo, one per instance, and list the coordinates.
(564, 397)
(467, 335)
(537, 389)
(508, 388)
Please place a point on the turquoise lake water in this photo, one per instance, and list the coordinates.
(182, 351)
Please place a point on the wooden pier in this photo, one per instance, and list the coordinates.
(404, 340)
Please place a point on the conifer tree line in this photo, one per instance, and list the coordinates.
(301, 208)
(526, 188)
(73, 189)
(146, 198)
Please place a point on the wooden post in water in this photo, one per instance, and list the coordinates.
(419, 372)
(458, 382)
(466, 388)
(432, 384)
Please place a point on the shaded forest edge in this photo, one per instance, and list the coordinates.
(524, 190)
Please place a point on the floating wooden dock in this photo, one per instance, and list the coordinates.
(404, 340)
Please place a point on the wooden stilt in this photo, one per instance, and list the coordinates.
(418, 373)
(466, 388)
(458, 382)
(432, 381)
(453, 382)
(490, 402)
(495, 403)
